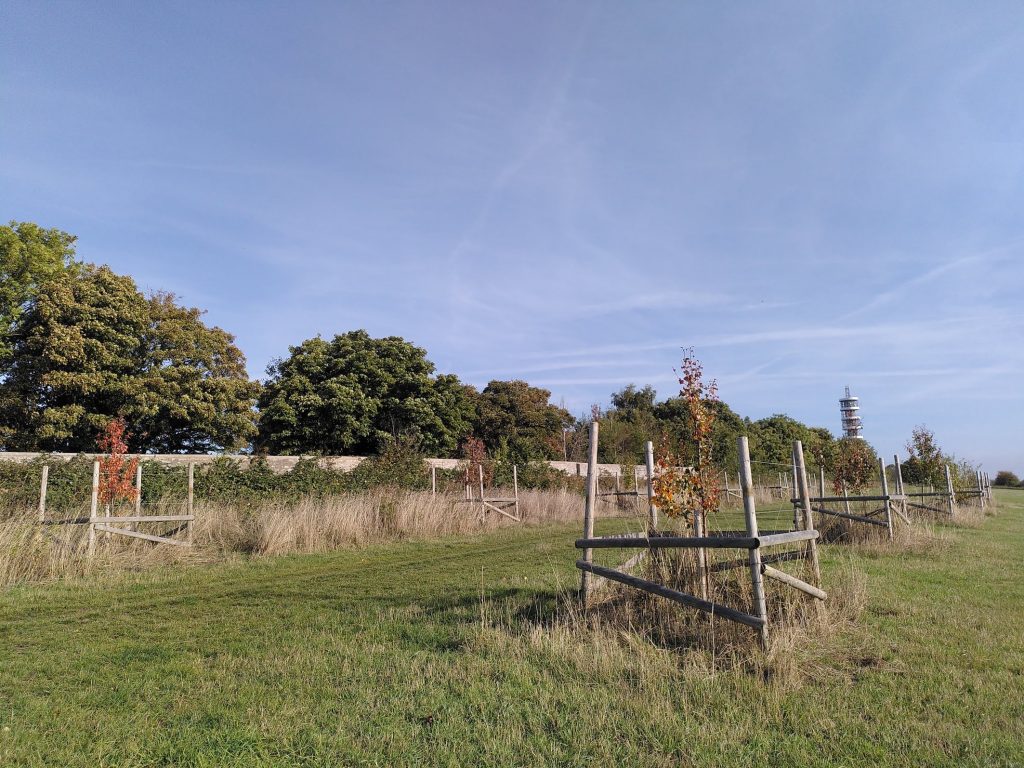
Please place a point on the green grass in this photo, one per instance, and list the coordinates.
(390, 656)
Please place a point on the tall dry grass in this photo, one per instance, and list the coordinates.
(636, 634)
(33, 552)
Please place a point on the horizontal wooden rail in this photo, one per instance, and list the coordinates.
(944, 495)
(143, 519)
(793, 581)
(669, 542)
(777, 557)
(500, 511)
(146, 536)
(847, 516)
(774, 539)
(832, 499)
(927, 508)
(696, 542)
(671, 594)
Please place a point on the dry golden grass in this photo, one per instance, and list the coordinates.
(33, 552)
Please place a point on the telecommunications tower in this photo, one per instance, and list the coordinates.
(849, 407)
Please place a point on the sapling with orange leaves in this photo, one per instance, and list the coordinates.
(117, 471)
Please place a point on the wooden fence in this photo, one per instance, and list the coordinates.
(125, 525)
(752, 541)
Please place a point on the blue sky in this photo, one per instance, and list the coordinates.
(810, 194)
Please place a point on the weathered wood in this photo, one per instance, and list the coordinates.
(191, 494)
(766, 557)
(93, 505)
(670, 542)
(515, 488)
(790, 537)
(588, 512)
(634, 561)
(674, 595)
(143, 519)
(885, 493)
(821, 499)
(42, 492)
(808, 517)
(754, 554)
(138, 488)
(793, 581)
(500, 511)
(949, 492)
(483, 506)
(899, 487)
(139, 535)
(858, 518)
(433, 480)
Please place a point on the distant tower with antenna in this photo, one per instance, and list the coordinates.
(849, 407)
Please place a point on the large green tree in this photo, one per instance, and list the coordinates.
(354, 394)
(29, 256)
(515, 419)
(91, 347)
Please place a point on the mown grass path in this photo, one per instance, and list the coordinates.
(378, 657)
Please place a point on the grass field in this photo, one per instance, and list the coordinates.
(432, 654)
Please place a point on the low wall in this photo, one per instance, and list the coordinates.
(281, 464)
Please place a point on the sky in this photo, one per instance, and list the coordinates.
(811, 195)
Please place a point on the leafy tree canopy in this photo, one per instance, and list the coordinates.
(1005, 477)
(91, 347)
(29, 256)
(355, 394)
(514, 418)
(926, 461)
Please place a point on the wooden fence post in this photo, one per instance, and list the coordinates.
(433, 480)
(808, 512)
(191, 496)
(981, 491)
(138, 489)
(950, 497)
(652, 510)
(92, 507)
(588, 511)
(42, 492)
(483, 505)
(885, 493)
(515, 487)
(900, 490)
(750, 515)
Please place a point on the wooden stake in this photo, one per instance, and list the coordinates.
(588, 511)
(93, 505)
(900, 491)
(754, 556)
(483, 504)
(433, 480)
(138, 489)
(950, 497)
(808, 512)
(42, 492)
(885, 493)
(515, 486)
(652, 511)
(191, 497)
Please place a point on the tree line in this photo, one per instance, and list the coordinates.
(82, 345)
